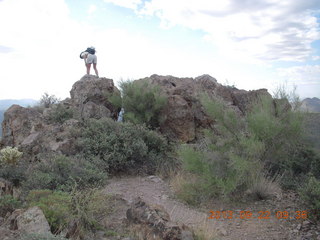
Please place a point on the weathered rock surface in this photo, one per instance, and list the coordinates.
(19, 123)
(90, 97)
(184, 114)
(155, 221)
(31, 131)
(30, 221)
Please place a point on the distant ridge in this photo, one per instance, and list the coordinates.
(311, 105)
(6, 103)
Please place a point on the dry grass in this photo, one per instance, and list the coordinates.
(264, 187)
(205, 231)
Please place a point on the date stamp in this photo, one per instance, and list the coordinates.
(258, 215)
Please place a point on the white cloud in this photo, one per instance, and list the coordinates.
(315, 58)
(263, 29)
(132, 4)
(302, 75)
(92, 9)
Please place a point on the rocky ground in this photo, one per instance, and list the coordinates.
(157, 192)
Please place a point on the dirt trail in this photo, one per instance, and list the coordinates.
(155, 191)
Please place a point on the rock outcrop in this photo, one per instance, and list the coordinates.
(155, 222)
(30, 130)
(184, 114)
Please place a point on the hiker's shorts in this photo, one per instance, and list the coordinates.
(91, 58)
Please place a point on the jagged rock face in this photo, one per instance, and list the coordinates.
(90, 96)
(31, 131)
(19, 123)
(155, 221)
(184, 114)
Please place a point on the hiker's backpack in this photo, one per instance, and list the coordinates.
(89, 50)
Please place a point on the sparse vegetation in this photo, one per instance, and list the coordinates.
(60, 113)
(310, 192)
(8, 204)
(142, 103)
(77, 211)
(61, 173)
(47, 100)
(55, 206)
(11, 168)
(124, 147)
(249, 155)
(10, 156)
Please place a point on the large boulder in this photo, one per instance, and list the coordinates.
(21, 222)
(155, 221)
(90, 96)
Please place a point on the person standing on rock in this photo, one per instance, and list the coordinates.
(90, 58)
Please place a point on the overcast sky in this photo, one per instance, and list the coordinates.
(247, 43)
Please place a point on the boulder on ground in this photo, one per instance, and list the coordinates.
(155, 221)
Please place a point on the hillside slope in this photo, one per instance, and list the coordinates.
(311, 105)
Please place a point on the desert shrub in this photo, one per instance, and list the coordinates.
(47, 100)
(8, 204)
(123, 147)
(60, 113)
(10, 156)
(61, 173)
(310, 193)
(282, 134)
(40, 236)
(16, 174)
(55, 207)
(115, 99)
(247, 154)
(77, 212)
(89, 208)
(142, 102)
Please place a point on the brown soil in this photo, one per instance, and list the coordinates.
(155, 191)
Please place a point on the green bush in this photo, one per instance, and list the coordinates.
(142, 103)
(248, 154)
(8, 204)
(89, 208)
(123, 147)
(16, 174)
(310, 193)
(61, 173)
(10, 156)
(60, 113)
(55, 207)
(77, 211)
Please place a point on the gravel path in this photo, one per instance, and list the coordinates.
(155, 191)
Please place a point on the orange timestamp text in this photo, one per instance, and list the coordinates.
(259, 215)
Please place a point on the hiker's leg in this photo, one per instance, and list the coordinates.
(88, 65)
(95, 69)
